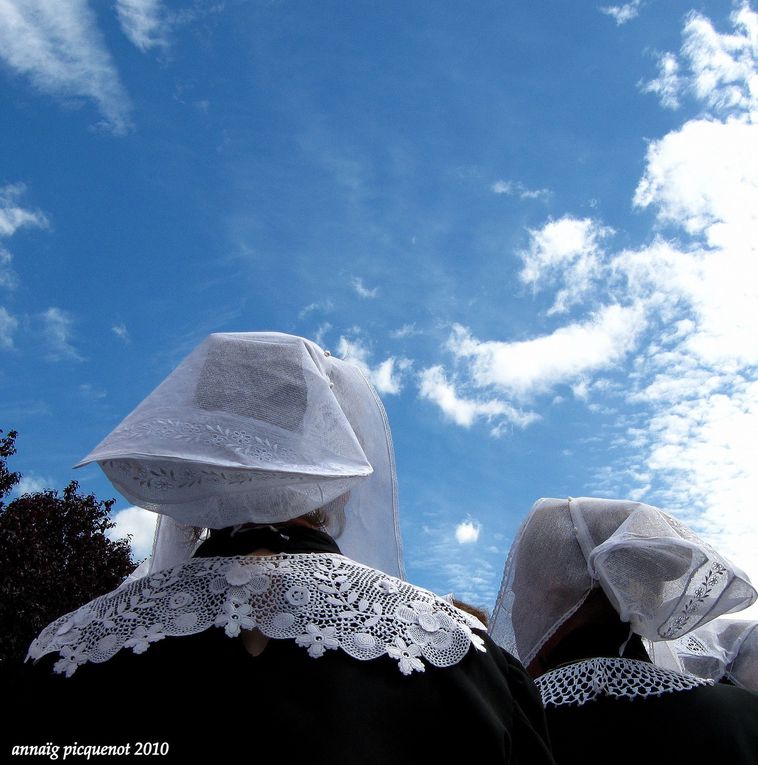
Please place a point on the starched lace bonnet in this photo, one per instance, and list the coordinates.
(660, 577)
(259, 427)
(724, 649)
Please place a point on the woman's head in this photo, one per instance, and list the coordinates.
(262, 428)
(657, 574)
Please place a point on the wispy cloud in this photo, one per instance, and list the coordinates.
(144, 22)
(8, 326)
(12, 218)
(621, 14)
(56, 327)
(12, 215)
(322, 306)
(526, 368)
(387, 377)
(8, 277)
(722, 66)
(59, 48)
(569, 250)
(668, 85)
(362, 290)
(467, 410)
(321, 333)
(717, 69)
(407, 330)
(121, 332)
(518, 189)
(92, 391)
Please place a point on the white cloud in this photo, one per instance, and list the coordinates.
(121, 332)
(716, 69)
(8, 326)
(13, 216)
(407, 330)
(8, 278)
(321, 333)
(704, 179)
(144, 22)
(59, 48)
(90, 391)
(435, 387)
(30, 484)
(465, 570)
(57, 331)
(566, 250)
(698, 380)
(322, 306)
(622, 13)
(138, 522)
(527, 368)
(676, 315)
(362, 290)
(355, 351)
(710, 294)
(723, 65)
(518, 189)
(387, 376)
(668, 84)
(467, 532)
(703, 449)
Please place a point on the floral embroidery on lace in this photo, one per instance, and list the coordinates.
(693, 607)
(618, 678)
(238, 440)
(250, 449)
(168, 479)
(692, 644)
(322, 601)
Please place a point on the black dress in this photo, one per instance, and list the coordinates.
(712, 725)
(708, 724)
(204, 696)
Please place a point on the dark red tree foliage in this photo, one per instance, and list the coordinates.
(54, 557)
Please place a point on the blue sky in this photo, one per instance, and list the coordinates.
(533, 223)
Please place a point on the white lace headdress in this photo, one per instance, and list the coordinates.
(660, 577)
(724, 648)
(259, 427)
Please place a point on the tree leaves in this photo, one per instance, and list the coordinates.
(54, 557)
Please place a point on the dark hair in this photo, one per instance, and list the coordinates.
(330, 519)
(479, 613)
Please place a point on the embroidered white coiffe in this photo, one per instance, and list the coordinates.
(322, 601)
(259, 427)
(658, 575)
(723, 648)
(618, 678)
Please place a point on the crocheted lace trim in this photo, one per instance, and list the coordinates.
(322, 601)
(619, 678)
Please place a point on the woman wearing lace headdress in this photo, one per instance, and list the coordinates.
(587, 585)
(273, 615)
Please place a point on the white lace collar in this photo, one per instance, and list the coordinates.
(323, 601)
(619, 678)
